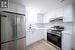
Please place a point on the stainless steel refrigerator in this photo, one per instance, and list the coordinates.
(12, 31)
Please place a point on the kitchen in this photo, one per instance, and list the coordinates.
(48, 24)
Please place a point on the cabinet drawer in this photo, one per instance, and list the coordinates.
(21, 44)
(66, 41)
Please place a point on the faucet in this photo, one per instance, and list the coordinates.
(30, 26)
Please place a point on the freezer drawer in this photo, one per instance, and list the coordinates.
(17, 45)
(21, 44)
(4, 46)
(9, 46)
(14, 45)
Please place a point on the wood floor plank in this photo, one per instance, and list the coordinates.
(41, 45)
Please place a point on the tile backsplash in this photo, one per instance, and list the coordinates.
(45, 25)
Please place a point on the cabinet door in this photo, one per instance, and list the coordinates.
(28, 37)
(14, 7)
(33, 36)
(40, 34)
(66, 41)
(20, 9)
(68, 13)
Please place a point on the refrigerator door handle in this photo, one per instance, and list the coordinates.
(3, 15)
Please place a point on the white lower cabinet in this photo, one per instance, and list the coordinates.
(33, 36)
(66, 41)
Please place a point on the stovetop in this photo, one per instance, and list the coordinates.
(55, 32)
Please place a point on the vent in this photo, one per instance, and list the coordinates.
(61, 0)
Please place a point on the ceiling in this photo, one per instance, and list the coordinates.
(43, 5)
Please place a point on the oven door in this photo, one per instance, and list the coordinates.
(56, 40)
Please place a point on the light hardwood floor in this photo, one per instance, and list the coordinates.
(41, 45)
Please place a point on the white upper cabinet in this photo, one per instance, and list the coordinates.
(45, 18)
(40, 18)
(68, 13)
(15, 6)
(20, 9)
(54, 14)
(11, 7)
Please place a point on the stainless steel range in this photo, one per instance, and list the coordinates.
(54, 35)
